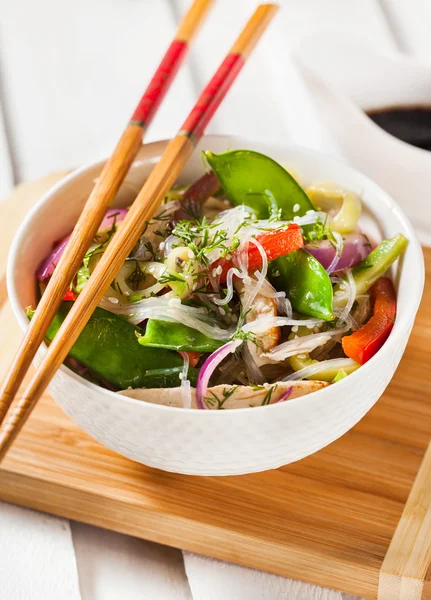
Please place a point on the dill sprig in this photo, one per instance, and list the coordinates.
(202, 238)
(168, 277)
(267, 398)
(320, 230)
(83, 274)
(165, 215)
(136, 277)
(215, 401)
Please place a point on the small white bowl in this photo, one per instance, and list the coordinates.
(232, 441)
(374, 81)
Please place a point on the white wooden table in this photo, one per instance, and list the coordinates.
(71, 74)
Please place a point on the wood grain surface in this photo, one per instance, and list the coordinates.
(328, 519)
(406, 570)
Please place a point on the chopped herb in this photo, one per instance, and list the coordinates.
(320, 230)
(83, 274)
(170, 277)
(215, 400)
(165, 215)
(116, 286)
(136, 277)
(150, 250)
(268, 395)
(202, 237)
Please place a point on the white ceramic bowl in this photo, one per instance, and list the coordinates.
(233, 441)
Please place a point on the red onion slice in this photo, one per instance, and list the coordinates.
(356, 248)
(46, 268)
(208, 369)
(113, 215)
(285, 395)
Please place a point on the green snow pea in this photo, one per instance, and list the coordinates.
(306, 283)
(164, 378)
(378, 262)
(257, 181)
(108, 346)
(176, 336)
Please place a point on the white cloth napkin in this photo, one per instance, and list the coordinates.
(214, 580)
(37, 557)
(113, 566)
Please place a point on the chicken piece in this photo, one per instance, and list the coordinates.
(228, 396)
(262, 307)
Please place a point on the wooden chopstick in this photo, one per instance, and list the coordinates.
(157, 185)
(103, 193)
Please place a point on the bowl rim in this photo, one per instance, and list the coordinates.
(383, 197)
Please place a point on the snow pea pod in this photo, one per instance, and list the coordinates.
(176, 336)
(108, 347)
(257, 181)
(306, 283)
(165, 378)
(378, 262)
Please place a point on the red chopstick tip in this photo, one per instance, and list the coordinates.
(211, 97)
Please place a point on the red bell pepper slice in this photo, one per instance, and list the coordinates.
(194, 358)
(275, 243)
(69, 295)
(364, 343)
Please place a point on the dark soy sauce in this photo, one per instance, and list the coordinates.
(411, 125)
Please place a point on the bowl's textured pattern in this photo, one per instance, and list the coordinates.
(195, 443)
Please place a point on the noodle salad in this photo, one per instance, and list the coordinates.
(245, 289)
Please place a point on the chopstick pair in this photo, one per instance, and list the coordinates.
(103, 193)
(157, 185)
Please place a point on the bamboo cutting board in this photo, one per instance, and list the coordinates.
(328, 519)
